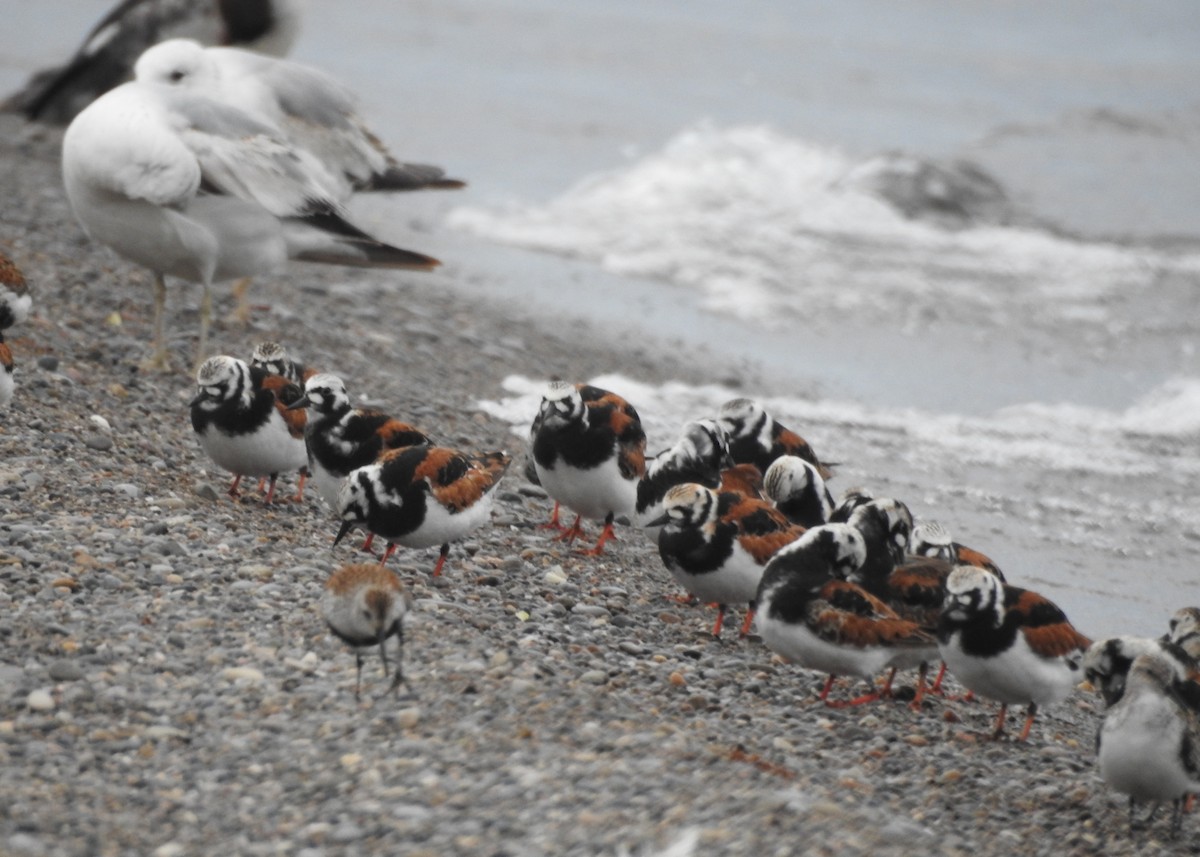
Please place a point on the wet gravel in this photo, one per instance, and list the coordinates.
(167, 686)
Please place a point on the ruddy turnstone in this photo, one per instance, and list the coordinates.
(850, 500)
(797, 489)
(1184, 630)
(264, 201)
(273, 359)
(1149, 744)
(756, 438)
(699, 456)
(716, 545)
(6, 374)
(242, 419)
(364, 605)
(930, 538)
(15, 300)
(1106, 664)
(1008, 644)
(589, 452)
(107, 54)
(342, 438)
(811, 614)
(421, 496)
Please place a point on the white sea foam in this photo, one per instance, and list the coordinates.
(771, 228)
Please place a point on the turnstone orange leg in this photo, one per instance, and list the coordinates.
(748, 623)
(554, 523)
(999, 730)
(299, 498)
(366, 545)
(391, 549)
(270, 498)
(1030, 713)
(233, 489)
(720, 623)
(572, 532)
(606, 535)
(441, 561)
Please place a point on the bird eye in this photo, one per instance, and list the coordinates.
(176, 76)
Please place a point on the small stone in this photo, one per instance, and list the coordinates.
(594, 677)
(48, 362)
(555, 576)
(206, 492)
(677, 679)
(65, 669)
(98, 442)
(242, 674)
(169, 849)
(408, 718)
(39, 700)
(350, 761)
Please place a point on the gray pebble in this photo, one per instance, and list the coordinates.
(65, 669)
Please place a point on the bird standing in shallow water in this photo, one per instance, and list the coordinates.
(364, 605)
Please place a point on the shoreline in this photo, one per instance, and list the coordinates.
(563, 706)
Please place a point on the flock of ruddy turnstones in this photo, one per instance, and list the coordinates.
(216, 163)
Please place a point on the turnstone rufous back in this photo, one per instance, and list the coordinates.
(421, 496)
(241, 417)
(716, 544)
(1008, 644)
(364, 605)
(589, 452)
(811, 614)
(1149, 744)
(755, 437)
(341, 438)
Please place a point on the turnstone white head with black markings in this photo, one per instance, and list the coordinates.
(364, 605)
(755, 437)
(342, 438)
(811, 614)
(797, 489)
(1106, 664)
(932, 539)
(1008, 644)
(421, 497)
(716, 544)
(272, 358)
(589, 452)
(1184, 630)
(1149, 744)
(242, 419)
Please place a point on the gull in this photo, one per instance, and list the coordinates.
(197, 189)
(308, 107)
(106, 57)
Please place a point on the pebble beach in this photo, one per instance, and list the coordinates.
(167, 686)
